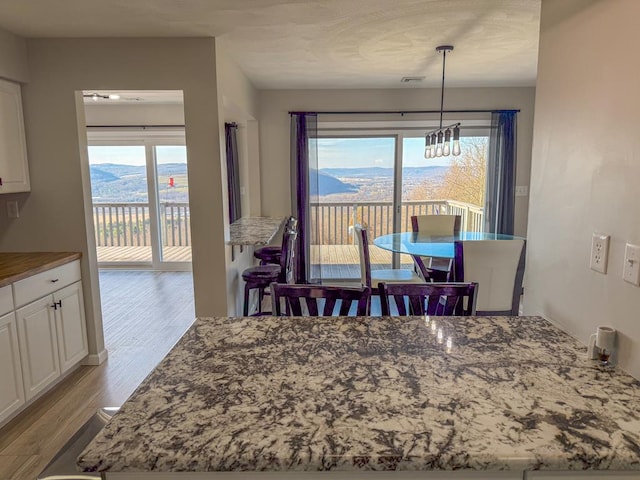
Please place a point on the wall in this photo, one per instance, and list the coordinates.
(586, 159)
(53, 215)
(13, 57)
(274, 132)
(239, 101)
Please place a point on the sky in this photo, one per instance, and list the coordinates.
(134, 154)
(374, 152)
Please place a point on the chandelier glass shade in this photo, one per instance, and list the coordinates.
(443, 141)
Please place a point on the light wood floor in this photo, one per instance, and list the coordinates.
(144, 313)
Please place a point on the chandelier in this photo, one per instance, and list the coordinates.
(437, 143)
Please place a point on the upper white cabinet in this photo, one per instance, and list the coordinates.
(14, 169)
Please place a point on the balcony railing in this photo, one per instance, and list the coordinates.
(129, 224)
(332, 220)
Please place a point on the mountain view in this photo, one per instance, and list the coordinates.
(115, 183)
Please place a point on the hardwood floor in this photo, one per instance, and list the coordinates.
(144, 314)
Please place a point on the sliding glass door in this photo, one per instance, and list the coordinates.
(140, 199)
(381, 180)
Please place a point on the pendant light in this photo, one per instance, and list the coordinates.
(438, 142)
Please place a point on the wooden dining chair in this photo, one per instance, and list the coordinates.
(435, 268)
(370, 277)
(497, 266)
(318, 300)
(437, 299)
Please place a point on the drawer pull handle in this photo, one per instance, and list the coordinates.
(57, 305)
(55, 280)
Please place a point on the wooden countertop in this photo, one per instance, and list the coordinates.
(15, 266)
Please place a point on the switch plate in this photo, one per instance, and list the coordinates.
(12, 209)
(631, 269)
(599, 252)
(522, 191)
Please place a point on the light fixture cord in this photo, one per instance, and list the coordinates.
(444, 59)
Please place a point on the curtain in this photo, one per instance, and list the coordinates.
(501, 174)
(304, 167)
(233, 172)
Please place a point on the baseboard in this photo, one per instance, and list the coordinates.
(95, 359)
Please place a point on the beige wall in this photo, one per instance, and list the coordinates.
(52, 216)
(13, 57)
(274, 131)
(586, 158)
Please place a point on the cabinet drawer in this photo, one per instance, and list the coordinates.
(6, 300)
(41, 284)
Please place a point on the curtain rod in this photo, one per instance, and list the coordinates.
(406, 112)
(135, 126)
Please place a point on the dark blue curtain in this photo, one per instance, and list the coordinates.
(304, 158)
(501, 174)
(233, 172)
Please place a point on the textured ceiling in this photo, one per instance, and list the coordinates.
(318, 43)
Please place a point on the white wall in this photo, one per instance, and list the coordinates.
(52, 216)
(274, 131)
(136, 114)
(586, 161)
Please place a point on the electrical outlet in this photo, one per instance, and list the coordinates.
(631, 269)
(599, 252)
(522, 191)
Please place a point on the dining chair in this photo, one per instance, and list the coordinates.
(261, 276)
(497, 266)
(270, 254)
(435, 268)
(429, 298)
(370, 277)
(318, 300)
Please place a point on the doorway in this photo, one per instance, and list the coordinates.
(139, 182)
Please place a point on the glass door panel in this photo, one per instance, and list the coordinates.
(353, 183)
(121, 213)
(173, 203)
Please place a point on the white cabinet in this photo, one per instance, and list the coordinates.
(70, 326)
(38, 345)
(12, 391)
(14, 169)
(43, 338)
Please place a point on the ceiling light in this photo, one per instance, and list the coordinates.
(437, 143)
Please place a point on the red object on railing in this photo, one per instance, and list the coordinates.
(171, 182)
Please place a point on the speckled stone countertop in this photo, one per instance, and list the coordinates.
(15, 266)
(309, 394)
(254, 230)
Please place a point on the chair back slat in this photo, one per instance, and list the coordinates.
(310, 300)
(288, 256)
(428, 298)
(360, 232)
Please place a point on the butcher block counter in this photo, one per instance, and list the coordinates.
(19, 265)
(509, 396)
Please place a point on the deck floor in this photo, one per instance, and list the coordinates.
(141, 254)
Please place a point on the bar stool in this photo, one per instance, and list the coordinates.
(270, 255)
(262, 276)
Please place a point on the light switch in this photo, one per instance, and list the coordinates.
(12, 209)
(631, 269)
(522, 191)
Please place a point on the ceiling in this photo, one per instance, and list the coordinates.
(318, 43)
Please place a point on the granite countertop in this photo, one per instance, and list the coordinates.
(376, 393)
(254, 230)
(15, 266)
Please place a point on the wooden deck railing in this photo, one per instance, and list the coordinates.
(334, 219)
(128, 224)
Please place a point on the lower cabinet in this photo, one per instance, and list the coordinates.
(12, 391)
(38, 345)
(53, 337)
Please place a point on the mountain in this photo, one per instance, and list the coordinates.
(384, 172)
(101, 176)
(322, 184)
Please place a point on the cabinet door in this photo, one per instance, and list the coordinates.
(14, 169)
(12, 391)
(38, 345)
(70, 326)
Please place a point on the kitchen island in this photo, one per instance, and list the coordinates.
(474, 394)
